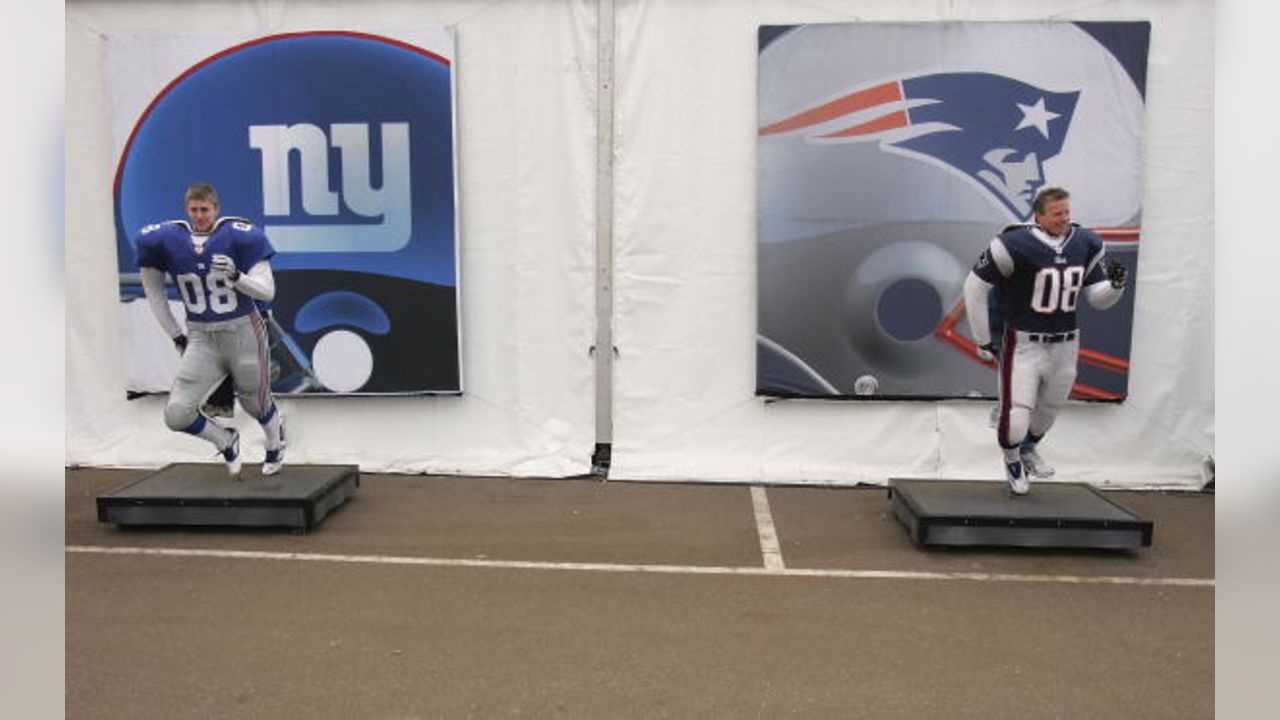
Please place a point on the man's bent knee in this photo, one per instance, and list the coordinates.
(180, 417)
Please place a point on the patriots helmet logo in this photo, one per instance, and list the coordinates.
(996, 130)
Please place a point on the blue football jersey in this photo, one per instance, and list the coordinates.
(172, 248)
(1044, 289)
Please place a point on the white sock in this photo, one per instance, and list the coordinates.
(216, 434)
(1012, 455)
(271, 429)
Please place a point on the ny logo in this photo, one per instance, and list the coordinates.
(392, 202)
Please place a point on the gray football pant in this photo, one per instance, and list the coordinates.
(237, 347)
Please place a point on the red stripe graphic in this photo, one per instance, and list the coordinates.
(885, 122)
(1118, 234)
(851, 103)
(947, 333)
(1080, 391)
(1104, 361)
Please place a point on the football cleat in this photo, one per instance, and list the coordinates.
(273, 462)
(231, 455)
(1018, 482)
(1035, 465)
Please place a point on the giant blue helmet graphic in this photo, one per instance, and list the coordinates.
(889, 154)
(340, 145)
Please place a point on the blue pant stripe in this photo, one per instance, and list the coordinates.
(195, 427)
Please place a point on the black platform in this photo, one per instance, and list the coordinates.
(973, 512)
(299, 496)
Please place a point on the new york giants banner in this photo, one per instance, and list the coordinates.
(889, 156)
(340, 146)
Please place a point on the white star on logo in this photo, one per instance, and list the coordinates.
(1037, 116)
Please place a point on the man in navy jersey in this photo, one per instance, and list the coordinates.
(221, 268)
(1041, 270)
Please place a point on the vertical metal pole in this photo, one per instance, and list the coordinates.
(604, 350)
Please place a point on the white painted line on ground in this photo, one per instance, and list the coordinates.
(769, 546)
(659, 569)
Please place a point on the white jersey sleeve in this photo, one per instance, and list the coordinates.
(258, 283)
(1103, 294)
(976, 294)
(153, 287)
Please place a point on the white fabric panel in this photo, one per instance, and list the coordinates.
(685, 259)
(685, 269)
(526, 152)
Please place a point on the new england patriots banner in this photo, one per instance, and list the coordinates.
(890, 154)
(339, 146)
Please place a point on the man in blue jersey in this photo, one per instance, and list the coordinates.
(1041, 270)
(221, 268)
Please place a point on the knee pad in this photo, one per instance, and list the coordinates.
(180, 418)
(1042, 419)
(1013, 425)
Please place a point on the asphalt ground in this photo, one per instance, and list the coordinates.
(443, 597)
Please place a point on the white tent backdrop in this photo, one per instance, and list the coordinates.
(685, 269)
(526, 155)
(683, 405)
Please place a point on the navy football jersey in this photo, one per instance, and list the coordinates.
(1044, 289)
(171, 247)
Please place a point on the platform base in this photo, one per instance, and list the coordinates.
(985, 513)
(300, 496)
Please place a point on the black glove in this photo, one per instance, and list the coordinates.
(180, 342)
(1116, 273)
(988, 352)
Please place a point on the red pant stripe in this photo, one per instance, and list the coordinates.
(264, 363)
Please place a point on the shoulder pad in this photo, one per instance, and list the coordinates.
(167, 223)
(237, 223)
(1016, 226)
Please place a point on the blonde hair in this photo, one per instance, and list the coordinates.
(202, 191)
(1046, 196)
